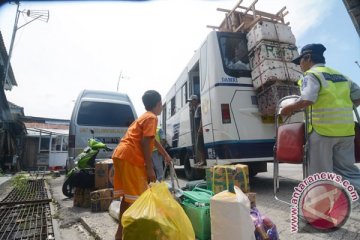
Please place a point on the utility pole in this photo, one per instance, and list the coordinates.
(121, 76)
(42, 15)
(11, 45)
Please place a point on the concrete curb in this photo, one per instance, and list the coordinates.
(88, 228)
(100, 225)
(4, 180)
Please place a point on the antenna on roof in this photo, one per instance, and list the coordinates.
(42, 15)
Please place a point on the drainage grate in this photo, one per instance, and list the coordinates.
(33, 192)
(26, 221)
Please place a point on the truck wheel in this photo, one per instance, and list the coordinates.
(192, 173)
(252, 173)
(256, 167)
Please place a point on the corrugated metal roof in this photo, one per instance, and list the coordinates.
(31, 119)
(353, 8)
(34, 132)
(46, 126)
(15, 109)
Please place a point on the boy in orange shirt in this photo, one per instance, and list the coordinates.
(132, 157)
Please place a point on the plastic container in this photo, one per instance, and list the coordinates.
(114, 209)
(290, 143)
(196, 205)
(268, 50)
(264, 30)
(197, 183)
(274, 70)
(230, 216)
(269, 97)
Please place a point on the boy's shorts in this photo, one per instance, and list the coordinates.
(130, 181)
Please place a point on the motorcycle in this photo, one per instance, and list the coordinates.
(83, 174)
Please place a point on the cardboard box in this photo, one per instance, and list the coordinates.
(101, 199)
(82, 197)
(224, 177)
(104, 174)
(252, 198)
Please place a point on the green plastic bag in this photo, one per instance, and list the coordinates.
(156, 215)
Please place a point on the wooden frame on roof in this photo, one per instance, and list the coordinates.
(237, 20)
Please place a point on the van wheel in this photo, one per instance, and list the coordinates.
(192, 173)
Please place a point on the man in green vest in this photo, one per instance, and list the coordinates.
(157, 158)
(329, 97)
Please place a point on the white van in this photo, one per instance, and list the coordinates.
(108, 114)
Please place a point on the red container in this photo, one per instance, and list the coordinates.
(289, 143)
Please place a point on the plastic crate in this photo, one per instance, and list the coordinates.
(196, 183)
(269, 97)
(274, 70)
(269, 50)
(264, 30)
(196, 205)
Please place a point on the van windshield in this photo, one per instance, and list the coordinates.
(105, 114)
(234, 54)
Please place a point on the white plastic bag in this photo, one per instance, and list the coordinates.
(230, 216)
(114, 209)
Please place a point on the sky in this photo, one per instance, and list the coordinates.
(89, 45)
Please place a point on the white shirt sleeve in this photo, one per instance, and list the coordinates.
(310, 88)
(354, 91)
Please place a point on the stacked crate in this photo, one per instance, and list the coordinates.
(271, 48)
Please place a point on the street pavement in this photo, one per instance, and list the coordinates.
(81, 224)
(279, 212)
(4, 179)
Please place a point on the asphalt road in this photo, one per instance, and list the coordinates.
(77, 223)
(279, 212)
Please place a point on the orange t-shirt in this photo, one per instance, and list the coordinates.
(130, 148)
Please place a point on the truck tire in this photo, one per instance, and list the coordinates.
(252, 172)
(192, 173)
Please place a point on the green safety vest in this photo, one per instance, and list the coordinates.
(157, 137)
(331, 115)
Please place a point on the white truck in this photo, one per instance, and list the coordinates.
(233, 129)
(234, 125)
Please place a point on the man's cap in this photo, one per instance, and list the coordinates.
(193, 97)
(314, 48)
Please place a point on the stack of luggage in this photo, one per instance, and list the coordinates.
(271, 48)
